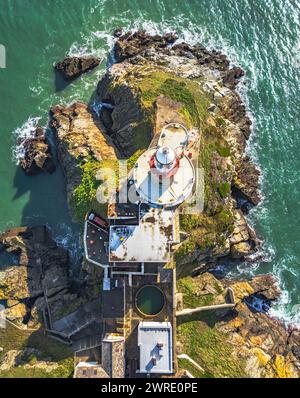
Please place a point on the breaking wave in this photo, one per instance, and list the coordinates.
(20, 135)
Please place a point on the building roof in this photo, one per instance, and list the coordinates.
(89, 370)
(149, 241)
(95, 241)
(113, 355)
(155, 345)
(165, 155)
(113, 300)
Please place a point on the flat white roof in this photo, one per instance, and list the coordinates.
(155, 345)
(147, 242)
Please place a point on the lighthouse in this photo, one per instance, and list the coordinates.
(164, 163)
(164, 175)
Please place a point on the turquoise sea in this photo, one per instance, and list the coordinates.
(263, 36)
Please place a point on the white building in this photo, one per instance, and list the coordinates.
(155, 347)
(164, 175)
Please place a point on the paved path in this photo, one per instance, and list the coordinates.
(184, 356)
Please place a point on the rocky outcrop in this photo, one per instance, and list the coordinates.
(72, 67)
(29, 358)
(246, 183)
(243, 241)
(158, 81)
(259, 343)
(262, 343)
(132, 44)
(263, 286)
(41, 276)
(9, 360)
(37, 155)
(78, 138)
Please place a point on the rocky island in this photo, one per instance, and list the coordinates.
(220, 326)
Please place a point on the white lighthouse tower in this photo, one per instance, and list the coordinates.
(165, 175)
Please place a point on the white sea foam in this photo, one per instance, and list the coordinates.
(65, 237)
(20, 135)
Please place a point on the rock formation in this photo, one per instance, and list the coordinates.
(72, 67)
(37, 154)
(41, 274)
(79, 138)
(157, 81)
(259, 344)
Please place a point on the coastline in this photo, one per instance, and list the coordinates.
(232, 82)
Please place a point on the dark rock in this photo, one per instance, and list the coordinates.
(131, 45)
(246, 183)
(118, 32)
(212, 107)
(43, 268)
(37, 154)
(232, 76)
(170, 37)
(72, 67)
(266, 286)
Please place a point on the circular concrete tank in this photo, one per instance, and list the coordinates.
(149, 300)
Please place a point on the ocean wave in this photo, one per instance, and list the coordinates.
(20, 135)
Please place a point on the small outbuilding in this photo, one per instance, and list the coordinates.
(155, 348)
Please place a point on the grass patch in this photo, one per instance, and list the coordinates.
(84, 196)
(185, 364)
(188, 287)
(224, 189)
(64, 370)
(208, 347)
(12, 338)
(205, 231)
(188, 92)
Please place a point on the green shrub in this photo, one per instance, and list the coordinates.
(224, 189)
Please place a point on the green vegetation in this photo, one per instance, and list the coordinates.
(205, 231)
(185, 248)
(189, 288)
(187, 92)
(224, 189)
(64, 370)
(213, 144)
(132, 160)
(51, 350)
(210, 349)
(84, 196)
(185, 364)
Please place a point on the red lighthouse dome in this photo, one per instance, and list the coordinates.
(164, 162)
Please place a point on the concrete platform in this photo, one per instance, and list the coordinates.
(147, 242)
